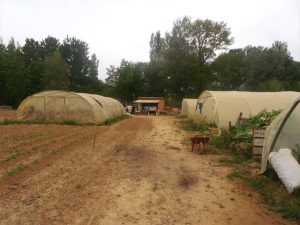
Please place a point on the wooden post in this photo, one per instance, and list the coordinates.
(94, 140)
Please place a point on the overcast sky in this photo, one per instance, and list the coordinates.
(121, 29)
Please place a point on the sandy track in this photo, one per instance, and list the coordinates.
(138, 173)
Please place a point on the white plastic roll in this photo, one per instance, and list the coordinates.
(286, 167)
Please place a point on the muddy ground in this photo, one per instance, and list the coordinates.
(137, 172)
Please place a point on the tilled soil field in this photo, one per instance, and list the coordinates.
(134, 172)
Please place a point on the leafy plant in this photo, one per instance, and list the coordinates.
(242, 132)
(21, 167)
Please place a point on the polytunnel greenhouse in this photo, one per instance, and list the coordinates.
(188, 107)
(283, 133)
(59, 106)
(221, 107)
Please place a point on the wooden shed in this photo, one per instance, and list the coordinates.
(153, 104)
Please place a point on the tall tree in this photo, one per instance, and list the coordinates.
(75, 53)
(228, 70)
(126, 81)
(48, 46)
(157, 46)
(156, 83)
(17, 80)
(264, 64)
(188, 47)
(3, 88)
(33, 62)
(56, 74)
(93, 67)
(206, 37)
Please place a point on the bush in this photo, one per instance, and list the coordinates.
(223, 141)
(242, 132)
(190, 125)
(239, 139)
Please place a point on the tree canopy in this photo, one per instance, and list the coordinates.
(193, 56)
(48, 64)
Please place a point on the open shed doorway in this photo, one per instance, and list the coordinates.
(149, 105)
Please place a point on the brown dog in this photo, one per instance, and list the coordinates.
(201, 141)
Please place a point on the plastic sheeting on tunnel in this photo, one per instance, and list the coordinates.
(188, 107)
(220, 107)
(283, 132)
(59, 106)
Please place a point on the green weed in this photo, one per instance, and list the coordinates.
(189, 125)
(12, 157)
(241, 174)
(70, 122)
(110, 122)
(21, 167)
(35, 161)
(223, 141)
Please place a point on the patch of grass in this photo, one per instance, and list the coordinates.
(233, 159)
(268, 186)
(272, 193)
(211, 150)
(70, 122)
(223, 141)
(21, 167)
(241, 174)
(35, 161)
(12, 157)
(296, 193)
(186, 141)
(30, 122)
(289, 210)
(5, 121)
(189, 125)
(110, 122)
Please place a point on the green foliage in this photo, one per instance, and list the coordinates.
(268, 186)
(56, 74)
(234, 159)
(126, 82)
(110, 122)
(239, 139)
(189, 125)
(241, 174)
(182, 64)
(223, 141)
(21, 167)
(5, 121)
(229, 70)
(25, 70)
(70, 122)
(256, 68)
(242, 132)
(30, 122)
(12, 157)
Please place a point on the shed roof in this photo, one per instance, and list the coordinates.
(150, 98)
(146, 101)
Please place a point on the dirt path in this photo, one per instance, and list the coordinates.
(138, 173)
